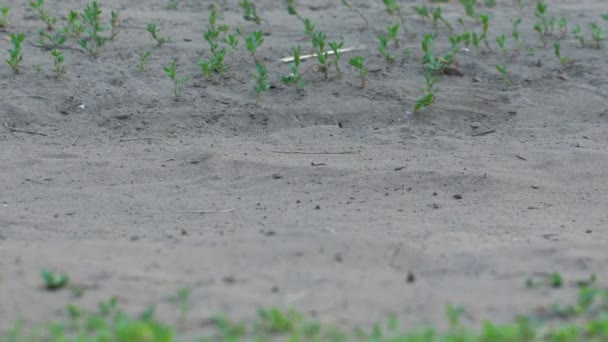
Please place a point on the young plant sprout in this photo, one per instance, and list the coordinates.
(383, 48)
(171, 71)
(58, 59)
(394, 8)
(563, 26)
(428, 93)
(393, 33)
(75, 26)
(469, 8)
(253, 42)
(485, 22)
(15, 54)
(465, 38)
(423, 12)
(215, 64)
(545, 22)
(114, 24)
(352, 7)
(154, 31)
(295, 77)
(232, 41)
(577, 33)
(475, 39)
(94, 41)
(502, 69)
(251, 13)
(541, 34)
(438, 17)
(261, 81)
(53, 41)
(335, 48)
(358, 63)
(309, 27)
(318, 43)
(455, 40)
(4, 16)
(597, 34)
(562, 60)
(43, 14)
(143, 57)
(500, 40)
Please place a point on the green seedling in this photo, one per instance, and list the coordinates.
(53, 41)
(251, 13)
(392, 6)
(352, 7)
(215, 64)
(470, 8)
(154, 31)
(546, 23)
(383, 48)
(490, 3)
(75, 26)
(562, 60)
(358, 63)
(393, 33)
(455, 41)
(143, 57)
(15, 54)
(604, 16)
(114, 24)
(294, 77)
(171, 71)
(517, 36)
(291, 10)
(428, 96)
(58, 59)
(502, 69)
(597, 34)
(309, 27)
(53, 281)
(577, 33)
(438, 17)
(335, 48)
(461, 22)
(182, 300)
(423, 12)
(465, 38)
(541, 35)
(319, 43)
(563, 26)
(261, 81)
(94, 41)
(475, 40)
(485, 22)
(43, 14)
(500, 40)
(232, 41)
(4, 16)
(253, 42)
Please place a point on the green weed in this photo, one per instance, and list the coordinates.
(154, 32)
(577, 33)
(114, 24)
(597, 34)
(563, 26)
(500, 40)
(75, 26)
(94, 41)
(352, 7)
(58, 59)
(557, 49)
(261, 81)
(393, 33)
(438, 17)
(358, 63)
(485, 22)
(294, 77)
(171, 71)
(250, 13)
(43, 14)
(143, 57)
(4, 16)
(470, 8)
(15, 54)
(53, 41)
(253, 42)
(383, 48)
(423, 12)
(53, 281)
(502, 69)
(428, 93)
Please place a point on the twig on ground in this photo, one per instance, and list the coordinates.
(208, 211)
(13, 129)
(480, 134)
(147, 138)
(303, 152)
(290, 59)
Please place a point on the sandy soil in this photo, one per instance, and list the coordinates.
(334, 235)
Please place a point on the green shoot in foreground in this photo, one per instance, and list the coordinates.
(358, 63)
(171, 71)
(584, 320)
(15, 54)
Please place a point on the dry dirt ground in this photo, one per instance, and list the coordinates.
(333, 235)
